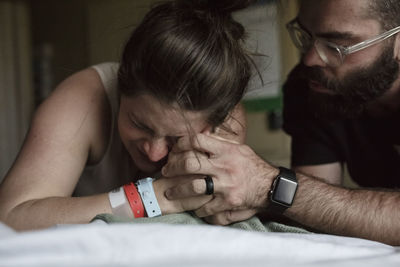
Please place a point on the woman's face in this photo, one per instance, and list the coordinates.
(149, 129)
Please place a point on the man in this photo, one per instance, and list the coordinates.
(342, 105)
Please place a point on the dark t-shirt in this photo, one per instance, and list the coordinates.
(367, 145)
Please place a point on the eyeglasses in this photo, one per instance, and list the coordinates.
(332, 54)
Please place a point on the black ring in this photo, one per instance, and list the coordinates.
(209, 185)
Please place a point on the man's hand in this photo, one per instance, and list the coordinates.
(177, 205)
(241, 178)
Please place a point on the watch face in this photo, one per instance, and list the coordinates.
(284, 191)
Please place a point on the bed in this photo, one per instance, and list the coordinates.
(162, 244)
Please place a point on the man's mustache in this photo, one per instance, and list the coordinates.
(316, 75)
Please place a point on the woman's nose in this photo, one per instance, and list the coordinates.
(156, 149)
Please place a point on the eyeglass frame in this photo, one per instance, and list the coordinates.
(343, 51)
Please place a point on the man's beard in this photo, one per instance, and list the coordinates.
(355, 90)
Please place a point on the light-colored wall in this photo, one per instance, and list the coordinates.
(271, 145)
(290, 55)
(274, 145)
(16, 94)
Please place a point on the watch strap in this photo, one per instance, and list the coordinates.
(287, 173)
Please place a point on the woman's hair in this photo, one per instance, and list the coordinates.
(189, 52)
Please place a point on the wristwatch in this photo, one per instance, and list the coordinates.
(283, 189)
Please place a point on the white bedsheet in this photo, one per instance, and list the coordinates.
(98, 244)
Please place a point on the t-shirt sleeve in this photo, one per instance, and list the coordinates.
(313, 140)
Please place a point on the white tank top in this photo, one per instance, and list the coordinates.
(114, 168)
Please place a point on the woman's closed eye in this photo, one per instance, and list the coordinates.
(140, 126)
(172, 140)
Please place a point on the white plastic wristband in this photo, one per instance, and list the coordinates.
(119, 203)
(146, 191)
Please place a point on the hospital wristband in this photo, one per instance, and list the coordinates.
(119, 203)
(134, 200)
(146, 191)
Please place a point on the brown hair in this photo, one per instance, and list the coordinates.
(189, 52)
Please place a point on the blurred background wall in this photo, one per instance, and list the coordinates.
(16, 79)
(44, 41)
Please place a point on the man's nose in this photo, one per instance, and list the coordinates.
(311, 58)
(156, 149)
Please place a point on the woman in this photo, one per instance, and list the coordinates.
(183, 71)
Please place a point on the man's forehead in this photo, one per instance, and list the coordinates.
(346, 9)
(337, 15)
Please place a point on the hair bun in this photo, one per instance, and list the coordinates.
(216, 6)
(229, 6)
(217, 14)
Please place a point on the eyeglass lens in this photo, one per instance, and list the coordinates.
(301, 40)
(304, 41)
(331, 55)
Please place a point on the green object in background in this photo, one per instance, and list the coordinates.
(263, 104)
(272, 106)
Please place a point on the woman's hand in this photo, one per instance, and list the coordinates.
(182, 204)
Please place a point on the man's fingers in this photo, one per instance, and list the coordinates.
(224, 139)
(209, 144)
(230, 216)
(192, 155)
(185, 163)
(194, 202)
(213, 207)
(193, 188)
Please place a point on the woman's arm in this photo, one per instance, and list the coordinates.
(69, 129)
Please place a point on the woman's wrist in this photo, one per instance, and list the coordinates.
(119, 203)
(126, 201)
(167, 206)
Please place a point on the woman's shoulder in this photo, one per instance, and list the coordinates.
(107, 70)
(95, 77)
(108, 74)
(79, 108)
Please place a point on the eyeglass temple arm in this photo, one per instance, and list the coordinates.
(379, 38)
